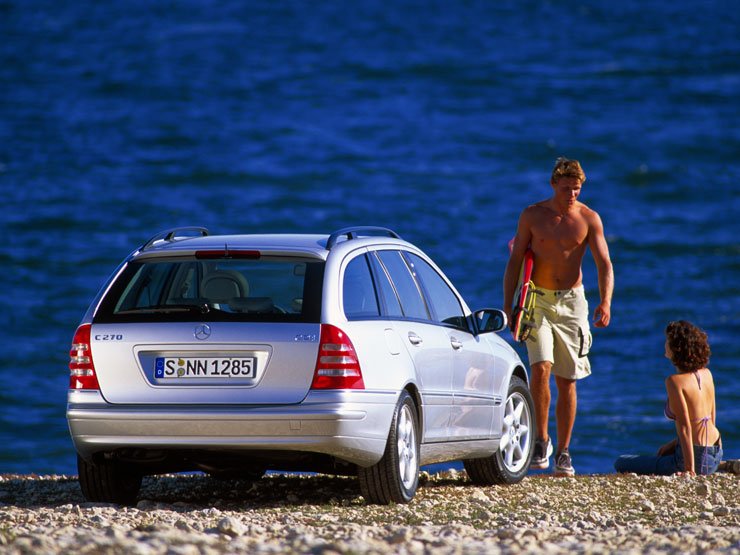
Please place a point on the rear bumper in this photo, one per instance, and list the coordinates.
(349, 425)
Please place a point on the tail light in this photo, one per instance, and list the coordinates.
(81, 367)
(337, 366)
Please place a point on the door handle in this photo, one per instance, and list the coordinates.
(415, 339)
(456, 343)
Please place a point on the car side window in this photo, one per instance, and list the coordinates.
(358, 291)
(388, 296)
(444, 303)
(147, 288)
(408, 292)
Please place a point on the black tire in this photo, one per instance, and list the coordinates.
(396, 476)
(108, 482)
(509, 465)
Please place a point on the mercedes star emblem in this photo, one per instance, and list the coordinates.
(203, 331)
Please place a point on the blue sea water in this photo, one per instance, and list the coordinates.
(440, 120)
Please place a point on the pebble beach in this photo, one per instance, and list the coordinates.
(196, 514)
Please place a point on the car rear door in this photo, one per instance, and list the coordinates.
(427, 344)
(217, 331)
(204, 362)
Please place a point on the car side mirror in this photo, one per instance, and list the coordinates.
(490, 320)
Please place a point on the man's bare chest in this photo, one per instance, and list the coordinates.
(560, 232)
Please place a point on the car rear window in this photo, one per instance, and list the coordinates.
(183, 289)
(358, 291)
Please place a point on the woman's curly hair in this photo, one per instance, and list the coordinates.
(689, 346)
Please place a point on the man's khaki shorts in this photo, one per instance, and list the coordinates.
(561, 333)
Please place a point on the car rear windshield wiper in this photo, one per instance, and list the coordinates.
(201, 308)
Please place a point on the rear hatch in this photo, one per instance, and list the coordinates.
(209, 328)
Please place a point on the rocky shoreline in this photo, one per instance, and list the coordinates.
(195, 514)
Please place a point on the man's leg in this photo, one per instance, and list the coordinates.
(540, 388)
(565, 411)
(540, 354)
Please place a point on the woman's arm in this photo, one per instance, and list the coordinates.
(667, 448)
(714, 402)
(683, 424)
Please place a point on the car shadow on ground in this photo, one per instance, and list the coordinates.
(200, 491)
(272, 490)
(190, 492)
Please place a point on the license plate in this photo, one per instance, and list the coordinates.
(204, 367)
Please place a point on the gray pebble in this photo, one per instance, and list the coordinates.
(186, 515)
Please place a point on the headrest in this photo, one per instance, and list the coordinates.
(222, 285)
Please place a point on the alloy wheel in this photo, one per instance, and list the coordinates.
(408, 466)
(516, 437)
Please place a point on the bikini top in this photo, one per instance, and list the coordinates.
(667, 408)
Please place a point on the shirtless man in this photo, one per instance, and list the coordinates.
(558, 230)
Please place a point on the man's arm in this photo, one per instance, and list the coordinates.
(522, 240)
(600, 252)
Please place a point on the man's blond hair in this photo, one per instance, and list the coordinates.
(565, 167)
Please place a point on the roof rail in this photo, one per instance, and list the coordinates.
(356, 231)
(170, 235)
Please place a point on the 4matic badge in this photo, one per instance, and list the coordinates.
(306, 337)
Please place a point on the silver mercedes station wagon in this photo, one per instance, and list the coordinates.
(347, 354)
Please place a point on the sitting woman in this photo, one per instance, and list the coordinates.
(690, 403)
